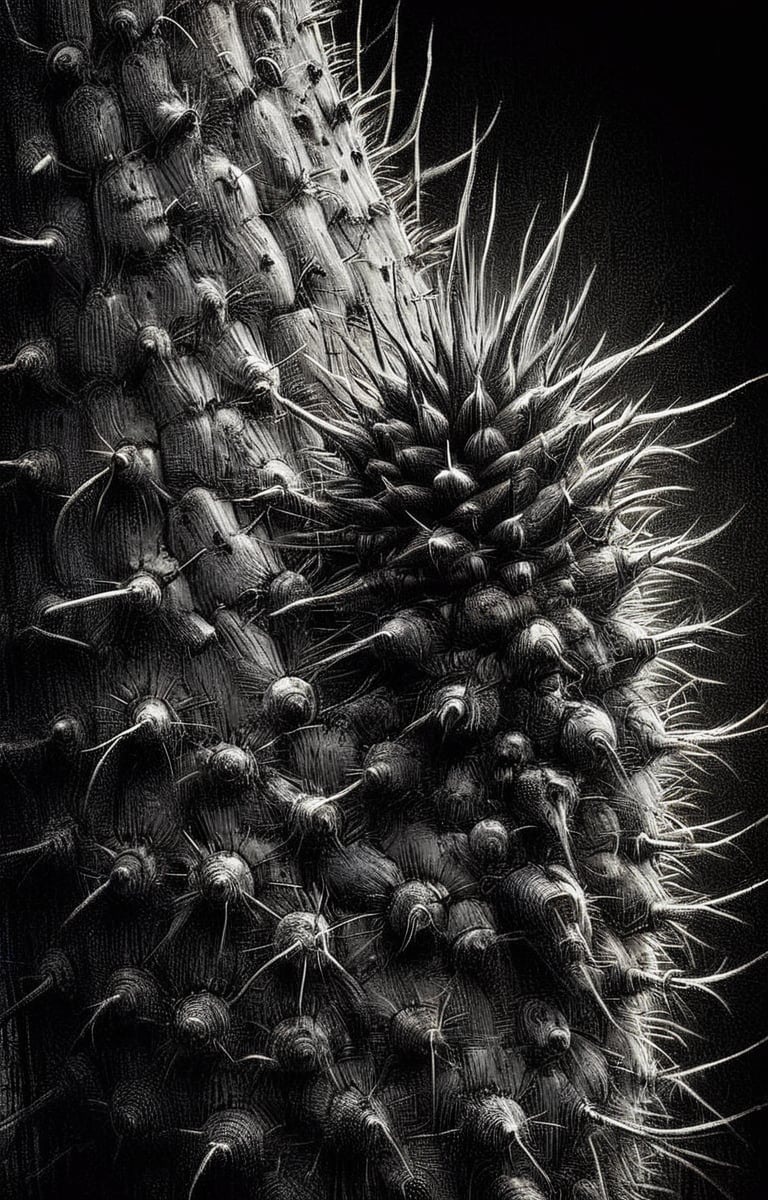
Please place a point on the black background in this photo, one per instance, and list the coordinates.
(675, 212)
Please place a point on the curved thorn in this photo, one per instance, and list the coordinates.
(717, 1062)
(275, 958)
(681, 1132)
(213, 1149)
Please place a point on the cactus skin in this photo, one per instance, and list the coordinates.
(340, 827)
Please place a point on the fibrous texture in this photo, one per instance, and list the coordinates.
(340, 830)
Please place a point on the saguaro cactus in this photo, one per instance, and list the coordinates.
(339, 826)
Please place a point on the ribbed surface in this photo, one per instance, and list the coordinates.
(340, 812)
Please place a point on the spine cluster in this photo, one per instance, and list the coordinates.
(343, 820)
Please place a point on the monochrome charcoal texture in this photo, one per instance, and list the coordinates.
(341, 830)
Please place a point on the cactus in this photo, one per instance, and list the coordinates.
(342, 828)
